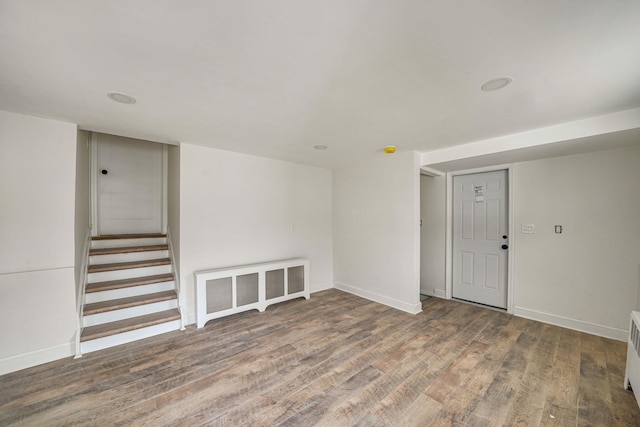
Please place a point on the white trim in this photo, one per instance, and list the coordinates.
(417, 229)
(372, 296)
(94, 184)
(577, 325)
(448, 240)
(9, 273)
(440, 293)
(165, 181)
(449, 230)
(321, 287)
(511, 255)
(33, 358)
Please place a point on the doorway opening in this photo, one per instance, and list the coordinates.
(432, 235)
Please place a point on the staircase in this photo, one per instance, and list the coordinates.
(130, 292)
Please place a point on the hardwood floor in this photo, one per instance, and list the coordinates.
(337, 360)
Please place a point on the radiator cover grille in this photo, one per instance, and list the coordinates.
(247, 289)
(219, 294)
(296, 279)
(634, 338)
(274, 283)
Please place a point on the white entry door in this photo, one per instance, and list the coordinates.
(129, 185)
(480, 238)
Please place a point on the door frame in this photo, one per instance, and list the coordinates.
(94, 185)
(449, 232)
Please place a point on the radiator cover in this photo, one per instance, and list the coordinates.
(224, 291)
(632, 374)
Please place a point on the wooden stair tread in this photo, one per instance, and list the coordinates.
(128, 236)
(117, 304)
(128, 249)
(97, 268)
(126, 325)
(126, 283)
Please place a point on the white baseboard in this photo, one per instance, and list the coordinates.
(577, 325)
(372, 296)
(440, 293)
(35, 358)
(321, 287)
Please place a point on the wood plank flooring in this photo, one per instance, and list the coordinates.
(337, 360)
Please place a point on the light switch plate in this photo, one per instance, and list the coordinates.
(527, 228)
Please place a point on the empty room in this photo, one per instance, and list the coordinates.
(365, 213)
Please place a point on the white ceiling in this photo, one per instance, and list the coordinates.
(274, 78)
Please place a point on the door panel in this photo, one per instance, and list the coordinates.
(130, 192)
(480, 224)
(491, 271)
(467, 268)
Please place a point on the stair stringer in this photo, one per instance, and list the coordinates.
(176, 279)
(83, 279)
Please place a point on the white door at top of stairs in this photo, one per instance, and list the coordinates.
(130, 179)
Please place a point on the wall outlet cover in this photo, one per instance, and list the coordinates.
(527, 228)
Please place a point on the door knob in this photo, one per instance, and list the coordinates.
(505, 246)
(104, 172)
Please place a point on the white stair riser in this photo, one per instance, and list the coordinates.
(132, 291)
(121, 243)
(126, 313)
(128, 273)
(132, 256)
(126, 337)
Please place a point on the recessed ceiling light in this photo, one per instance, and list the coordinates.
(121, 97)
(496, 84)
(320, 147)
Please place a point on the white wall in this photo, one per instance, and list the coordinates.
(433, 212)
(239, 209)
(376, 232)
(587, 277)
(37, 248)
